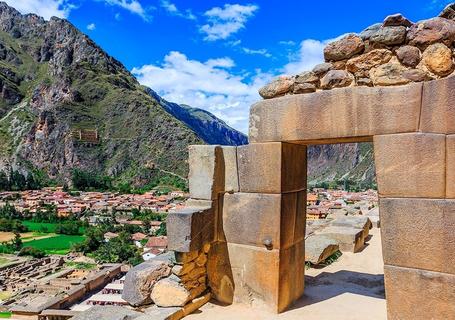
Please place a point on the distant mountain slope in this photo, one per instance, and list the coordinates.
(208, 127)
(346, 164)
(65, 103)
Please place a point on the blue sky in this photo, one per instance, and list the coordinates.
(216, 54)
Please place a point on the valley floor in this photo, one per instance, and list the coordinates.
(351, 288)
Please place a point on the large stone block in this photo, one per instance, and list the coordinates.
(438, 106)
(272, 167)
(275, 277)
(272, 220)
(219, 273)
(206, 175)
(319, 247)
(414, 294)
(140, 280)
(336, 114)
(419, 233)
(411, 165)
(450, 176)
(349, 239)
(189, 228)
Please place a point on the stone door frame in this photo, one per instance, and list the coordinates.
(257, 194)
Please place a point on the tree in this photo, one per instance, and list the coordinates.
(34, 252)
(119, 249)
(162, 231)
(17, 241)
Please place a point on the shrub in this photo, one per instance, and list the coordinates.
(34, 252)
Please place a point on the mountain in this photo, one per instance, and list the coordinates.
(66, 104)
(208, 127)
(349, 165)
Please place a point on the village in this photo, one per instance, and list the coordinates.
(60, 286)
(69, 203)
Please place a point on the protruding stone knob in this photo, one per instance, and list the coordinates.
(268, 243)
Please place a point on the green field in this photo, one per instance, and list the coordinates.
(40, 226)
(60, 244)
(43, 227)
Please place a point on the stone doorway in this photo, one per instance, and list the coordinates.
(257, 193)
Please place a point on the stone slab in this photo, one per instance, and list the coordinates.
(336, 114)
(190, 228)
(107, 313)
(419, 233)
(275, 277)
(272, 167)
(419, 294)
(231, 174)
(253, 218)
(349, 239)
(357, 222)
(438, 106)
(206, 174)
(319, 247)
(450, 176)
(410, 165)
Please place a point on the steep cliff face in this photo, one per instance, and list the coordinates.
(65, 103)
(351, 163)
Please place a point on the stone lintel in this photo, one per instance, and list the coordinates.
(411, 165)
(336, 114)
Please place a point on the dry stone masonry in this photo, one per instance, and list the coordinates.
(394, 85)
(395, 52)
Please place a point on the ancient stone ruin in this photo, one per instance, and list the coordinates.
(393, 85)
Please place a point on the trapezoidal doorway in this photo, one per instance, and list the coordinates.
(257, 194)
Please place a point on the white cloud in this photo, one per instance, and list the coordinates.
(91, 27)
(209, 85)
(262, 52)
(173, 10)
(310, 54)
(223, 22)
(43, 8)
(287, 43)
(132, 6)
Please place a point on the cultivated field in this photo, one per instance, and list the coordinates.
(59, 244)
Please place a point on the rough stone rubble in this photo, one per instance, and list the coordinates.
(395, 52)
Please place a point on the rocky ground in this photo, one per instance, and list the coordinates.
(351, 288)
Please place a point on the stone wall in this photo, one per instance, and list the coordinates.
(255, 195)
(395, 52)
(254, 218)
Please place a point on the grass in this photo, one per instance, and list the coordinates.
(40, 226)
(3, 261)
(43, 227)
(81, 265)
(5, 314)
(60, 244)
(327, 262)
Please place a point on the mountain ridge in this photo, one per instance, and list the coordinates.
(54, 81)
